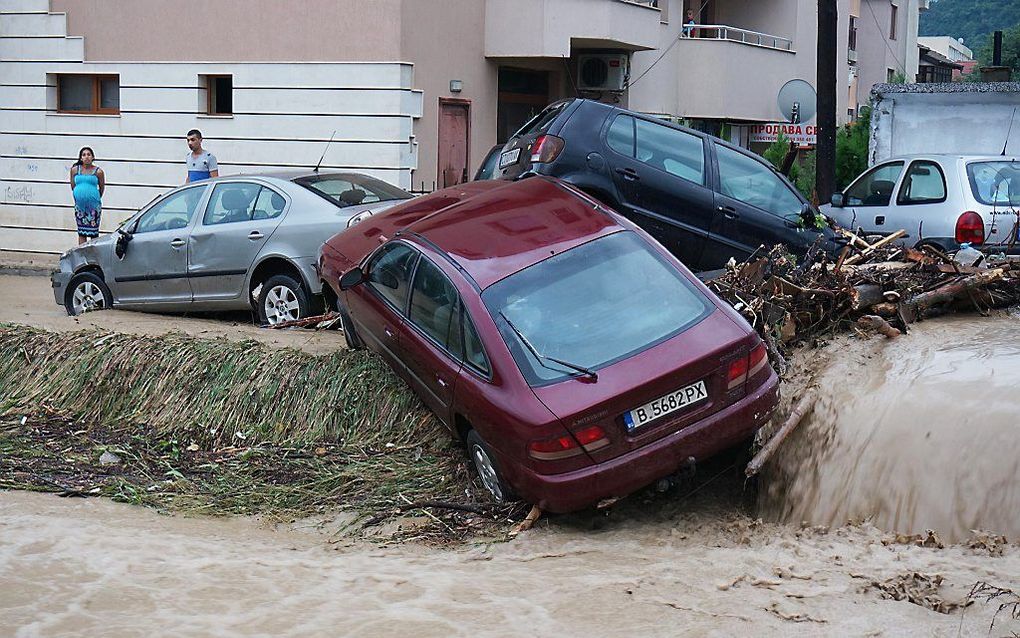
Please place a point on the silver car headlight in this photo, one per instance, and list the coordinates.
(362, 216)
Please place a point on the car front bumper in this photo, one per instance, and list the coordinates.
(623, 475)
(59, 280)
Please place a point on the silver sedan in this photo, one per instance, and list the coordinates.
(230, 243)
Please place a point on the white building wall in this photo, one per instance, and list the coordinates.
(284, 114)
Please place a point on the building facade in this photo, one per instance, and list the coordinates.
(947, 46)
(412, 91)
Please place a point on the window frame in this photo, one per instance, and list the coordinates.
(402, 312)
(903, 184)
(254, 201)
(894, 12)
(705, 157)
(97, 82)
(768, 168)
(211, 92)
(457, 305)
(465, 320)
(874, 169)
(161, 200)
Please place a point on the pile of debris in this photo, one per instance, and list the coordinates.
(874, 286)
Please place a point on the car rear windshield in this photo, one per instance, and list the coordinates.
(541, 122)
(592, 306)
(351, 190)
(995, 183)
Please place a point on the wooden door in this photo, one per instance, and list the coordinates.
(454, 138)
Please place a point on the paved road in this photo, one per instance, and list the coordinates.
(29, 300)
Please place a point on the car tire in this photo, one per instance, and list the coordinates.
(354, 341)
(282, 299)
(86, 292)
(485, 464)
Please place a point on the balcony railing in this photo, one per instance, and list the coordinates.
(735, 34)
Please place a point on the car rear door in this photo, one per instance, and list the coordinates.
(753, 207)
(660, 175)
(236, 223)
(154, 268)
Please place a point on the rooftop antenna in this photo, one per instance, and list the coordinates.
(1008, 131)
(316, 169)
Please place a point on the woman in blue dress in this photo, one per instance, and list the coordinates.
(87, 185)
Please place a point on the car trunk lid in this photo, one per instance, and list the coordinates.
(696, 360)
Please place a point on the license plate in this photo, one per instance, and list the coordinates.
(509, 157)
(671, 402)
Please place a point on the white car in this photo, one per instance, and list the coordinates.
(940, 200)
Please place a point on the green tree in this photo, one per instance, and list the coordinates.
(852, 148)
(776, 152)
(972, 20)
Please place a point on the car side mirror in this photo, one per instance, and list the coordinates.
(352, 278)
(838, 201)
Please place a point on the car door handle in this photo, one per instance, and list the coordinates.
(389, 333)
(177, 242)
(442, 382)
(255, 235)
(729, 212)
(628, 174)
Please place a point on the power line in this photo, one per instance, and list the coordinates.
(680, 36)
(885, 40)
(659, 59)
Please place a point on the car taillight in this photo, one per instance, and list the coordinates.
(588, 439)
(546, 148)
(744, 368)
(970, 228)
(757, 360)
(737, 373)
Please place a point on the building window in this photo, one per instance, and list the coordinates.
(219, 94)
(98, 94)
(852, 37)
(893, 14)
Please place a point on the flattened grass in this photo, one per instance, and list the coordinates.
(215, 426)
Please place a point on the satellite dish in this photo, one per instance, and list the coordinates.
(797, 101)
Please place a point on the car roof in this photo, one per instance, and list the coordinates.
(492, 229)
(293, 174)
(954, 156)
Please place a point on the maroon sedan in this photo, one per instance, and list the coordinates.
(575, 356)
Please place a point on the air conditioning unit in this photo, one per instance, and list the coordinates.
(602, 71)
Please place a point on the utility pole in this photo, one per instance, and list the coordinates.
(825, 152)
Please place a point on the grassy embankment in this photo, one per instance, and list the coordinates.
(214, 426)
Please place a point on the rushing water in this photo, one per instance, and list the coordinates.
(920, 432)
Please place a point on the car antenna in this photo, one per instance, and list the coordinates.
(316, 169)
(1008, 131)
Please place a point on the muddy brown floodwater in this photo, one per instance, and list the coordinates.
(916, 433)
(910, 434)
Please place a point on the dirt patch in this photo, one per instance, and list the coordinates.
(29, 301)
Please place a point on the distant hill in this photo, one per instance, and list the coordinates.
(972, 20)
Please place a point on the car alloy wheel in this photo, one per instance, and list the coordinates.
(87, 296)
(86, 292)
(281, 305)
(487, 472)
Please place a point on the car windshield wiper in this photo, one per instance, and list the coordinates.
(540, 356)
